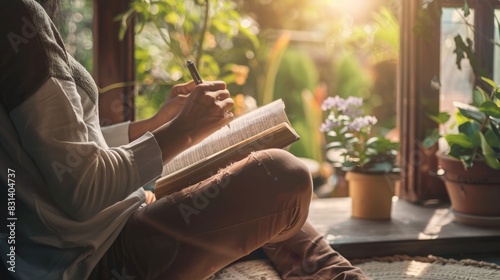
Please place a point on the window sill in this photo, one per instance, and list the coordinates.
(413, 230)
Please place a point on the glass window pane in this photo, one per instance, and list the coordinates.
(456, 84)
(496, 49)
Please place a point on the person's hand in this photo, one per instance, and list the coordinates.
(170, 108)
(205, 110)
(174, 103)
(150, 197)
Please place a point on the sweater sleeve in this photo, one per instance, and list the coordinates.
(83, 177)
(116, 134)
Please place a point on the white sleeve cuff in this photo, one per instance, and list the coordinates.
(116, 134)
(147, 157)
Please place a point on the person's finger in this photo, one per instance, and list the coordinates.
(211, 86)
(226, 104)
(182, 89)
(210, 98)
(218, 95)
(222, 94)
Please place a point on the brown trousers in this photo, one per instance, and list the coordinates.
(259, 202)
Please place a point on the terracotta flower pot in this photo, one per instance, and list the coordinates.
(371, 195)
(472, 192)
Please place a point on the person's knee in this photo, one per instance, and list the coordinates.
(288, 172)
(290, 189)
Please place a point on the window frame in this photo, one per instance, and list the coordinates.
(113, 62)
(419, 65)
(484, 24)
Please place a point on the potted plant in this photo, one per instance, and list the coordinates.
(471, 164)
(369, 160)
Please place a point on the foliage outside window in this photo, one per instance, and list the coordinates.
(258, 59)
(74, 22)
(169, 32)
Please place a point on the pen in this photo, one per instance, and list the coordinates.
(196, 75)
(194, 72)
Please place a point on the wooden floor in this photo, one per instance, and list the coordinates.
(413, 230)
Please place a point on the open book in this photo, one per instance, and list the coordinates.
(263, 128)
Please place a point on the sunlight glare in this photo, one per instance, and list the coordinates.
(416, 269)
(440, 218)
(355, 8)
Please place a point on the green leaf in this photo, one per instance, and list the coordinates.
(350, 139)
(139, 6)
(466, 9)
(462, 154)
(380, 167)
(222, 27)
(459, 152)
(139, 26)
(249, 35)
(459, 119)
(372, 142)
(469, 128)
(479, 96)
(172, 18)
(489, 153)
(492, 138)
(470, 112)
(441, 118)
(334, 145)
(494, 127)
(381, 145)
(466, 48)
(490, 109)
(489, 81)
(332, 133)
(349, 165)
(460, 48)
(460, 139)
(431, 139)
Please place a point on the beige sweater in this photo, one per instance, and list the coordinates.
(73, 192)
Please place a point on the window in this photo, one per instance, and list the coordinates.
(113, 62)
(75, 26)
(420, 64)
(496, 60)
(456, 84)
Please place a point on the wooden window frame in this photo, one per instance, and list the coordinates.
(484, 22)
(419, 65)
(113, 62)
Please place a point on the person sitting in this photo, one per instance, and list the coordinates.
(80, 205)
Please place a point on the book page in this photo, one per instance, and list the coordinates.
(240, 129)
(278, 136)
